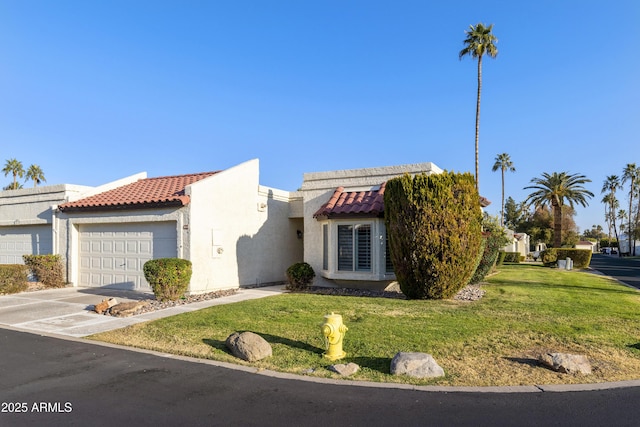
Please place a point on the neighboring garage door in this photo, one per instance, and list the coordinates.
(112, 255)
(16, 241)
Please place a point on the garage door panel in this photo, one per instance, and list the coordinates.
(118, 252)
(16, 241)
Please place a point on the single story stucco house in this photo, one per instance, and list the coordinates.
(235, 231)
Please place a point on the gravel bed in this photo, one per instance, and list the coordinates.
(468, 293)
(149, 305)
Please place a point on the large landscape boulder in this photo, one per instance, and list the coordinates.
(248, 346)
(567, 363)
(416, 365)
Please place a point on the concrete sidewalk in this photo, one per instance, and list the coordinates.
(68, 311)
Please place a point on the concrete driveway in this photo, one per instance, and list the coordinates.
(68, 311)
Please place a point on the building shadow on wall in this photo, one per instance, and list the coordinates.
(264, 257)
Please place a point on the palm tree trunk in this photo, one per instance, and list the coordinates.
(502, 211)
(557, 224)
(478, 123)
(629, 229)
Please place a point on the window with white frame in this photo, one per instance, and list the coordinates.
(354, 247)
(355, 250)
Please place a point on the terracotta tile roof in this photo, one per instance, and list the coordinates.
(347, 203)
(145, 193)
(365, 203)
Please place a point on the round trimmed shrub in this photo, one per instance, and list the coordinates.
(169, 278)
(300, 275)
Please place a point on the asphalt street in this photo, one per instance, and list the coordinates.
(55, 382)
(621, 268)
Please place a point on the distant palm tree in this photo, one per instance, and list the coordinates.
(479, 41)
(610, 185)
(631, 173)
(610, 202)
(555, 189)
(35, 174)
(504, 163)
(14, 167)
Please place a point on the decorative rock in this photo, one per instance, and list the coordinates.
(126, 309)
(248, 346)
(101, 307)
(567, 363)
(345, 370)
(416, 365)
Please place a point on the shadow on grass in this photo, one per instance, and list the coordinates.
(271, 339)
(380, 364)
(634, 346)
(534, 363)
(527, 284)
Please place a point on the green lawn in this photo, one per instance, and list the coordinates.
(527, 310)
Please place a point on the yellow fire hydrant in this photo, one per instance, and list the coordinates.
(333, 331)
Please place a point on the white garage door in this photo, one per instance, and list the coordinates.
(24, 240)
(112, 255)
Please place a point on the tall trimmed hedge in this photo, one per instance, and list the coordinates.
(434, 228)
(581, 257)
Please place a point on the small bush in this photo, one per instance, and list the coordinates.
(512, 257)
(300, 275)
(48, 269)
(13, 278)
(169, 278)
(581, 257)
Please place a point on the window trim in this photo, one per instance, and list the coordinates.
(378, 251)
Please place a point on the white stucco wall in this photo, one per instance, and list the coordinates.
(32, 206)
(317, 188)
(239, 232)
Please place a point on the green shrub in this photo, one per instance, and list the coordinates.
(13, 278)
(434, 227)
(501, 257)
(512, 257)
(492, 242)
(48, 269)
(169, 278)
(581, 257)
(300, 275)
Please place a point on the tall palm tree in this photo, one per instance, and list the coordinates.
(610, 185)
(479, 41)
(631, 173)
(555, 189)
(35, 174)
(504, 163)
(14, 167)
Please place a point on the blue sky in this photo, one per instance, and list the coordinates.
(93, 91)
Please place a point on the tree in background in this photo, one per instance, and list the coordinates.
(433, 224)
(504, 163)
(479, 41)
(631, 173)
(515, 214)
(610, 185)
(35, 174)
(556, 189)
(13, 167)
